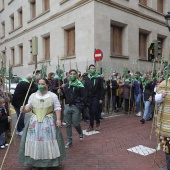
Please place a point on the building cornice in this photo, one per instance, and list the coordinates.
(133, 11)
(51, 18)
(82, 3)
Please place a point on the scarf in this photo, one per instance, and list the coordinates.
(75, 83)
(93, 77)
(25, 80)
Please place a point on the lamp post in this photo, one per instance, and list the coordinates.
(167, 18)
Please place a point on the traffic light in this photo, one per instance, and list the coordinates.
(157, 49)
(151, 52)
(34, 46)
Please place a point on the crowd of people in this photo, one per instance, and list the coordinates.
(55, 101)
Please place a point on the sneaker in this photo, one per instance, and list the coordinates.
(84, 120)
(102, 113)
(143, 121)
(68, 144)
(2, 146)
(97, 127)
(63, 124)
(89, 129)
(81, 136)
(19, 133)
(138, 114)
(6, 144)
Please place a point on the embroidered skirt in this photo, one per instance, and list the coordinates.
(42, 144)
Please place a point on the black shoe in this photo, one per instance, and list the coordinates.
(149, 119)
(143, 121)
(101, 118)
(84, 120)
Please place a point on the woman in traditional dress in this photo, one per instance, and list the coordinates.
(42, 144)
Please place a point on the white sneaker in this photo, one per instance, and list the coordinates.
(6, 144)
(2, 146)
(102, 113)
(63, 124)
(19, 133)
(138, 114)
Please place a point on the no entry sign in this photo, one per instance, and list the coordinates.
(98, 55)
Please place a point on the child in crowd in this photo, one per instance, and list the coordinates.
(4, 123)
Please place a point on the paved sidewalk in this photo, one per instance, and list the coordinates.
(106, 150)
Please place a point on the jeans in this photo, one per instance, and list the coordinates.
(21, 124)
(137, 100)
(146, 109)
(72, 115)
(94, 111)
(168, 160)
(2, 138)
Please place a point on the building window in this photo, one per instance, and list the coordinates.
(20, 17)
(12, 22)
(160, 5)
(3, 29)
(142, 45)
(46, 5)
(116, 40)
(143, 2)
(13, 56)
(33, 9)
(70, 42)
(47, 48)
(21, 54)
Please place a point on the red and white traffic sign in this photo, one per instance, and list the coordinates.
(98, 55)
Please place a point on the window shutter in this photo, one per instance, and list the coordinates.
(142, 46)
(47, 48)
(117, 40)
(71, 42)
(21, 54)
(160, 5)
(143, 2)
(46, 4)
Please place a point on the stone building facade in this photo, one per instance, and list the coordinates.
(69, 31)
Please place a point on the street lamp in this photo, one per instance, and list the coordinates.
(167, 18)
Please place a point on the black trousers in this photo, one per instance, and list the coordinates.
(94, 111)
(126, 105)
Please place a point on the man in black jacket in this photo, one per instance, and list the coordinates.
(18, 99)
(95, 95)
(74, 93)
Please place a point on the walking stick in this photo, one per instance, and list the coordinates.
(16, 123)
(153, 122)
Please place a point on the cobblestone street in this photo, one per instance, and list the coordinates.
(106, 150)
